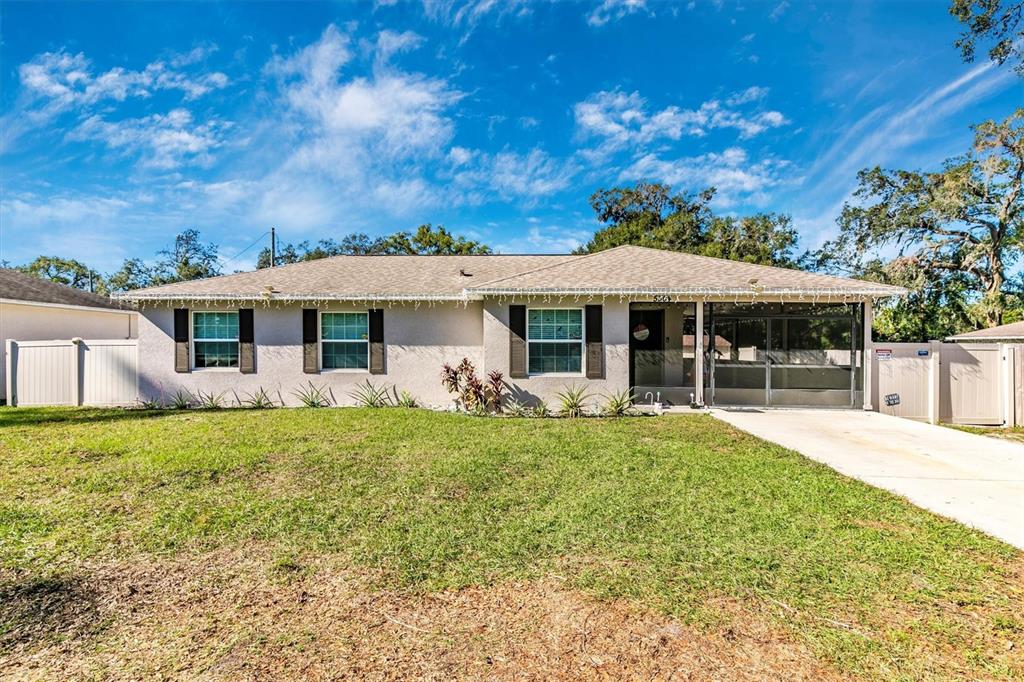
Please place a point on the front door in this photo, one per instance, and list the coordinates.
(646, 347)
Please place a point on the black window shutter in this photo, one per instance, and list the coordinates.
(246, 342)
(376, 341)
(181, 354)
(310, 356)
(595, 342)
(517, 341)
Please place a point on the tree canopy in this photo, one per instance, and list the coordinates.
(991, 21)
(425, 241)
(957, 229)
(66, 271)
(650, 214)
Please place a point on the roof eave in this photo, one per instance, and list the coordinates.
(698, 292)
(139, 297)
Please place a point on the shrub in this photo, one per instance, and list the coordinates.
(313, 396)
(541, 409)
(150, 404)
(259, 400)
(209, 401)
(618, 404)
(472, 394)
(182, 399)
(517, 408)
(573, 400)
(368, 395)
(406, 399)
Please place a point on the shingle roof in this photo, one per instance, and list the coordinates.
(1012, 331)
(637, 269)
(18, 286)
(622, 270)
(355, 277)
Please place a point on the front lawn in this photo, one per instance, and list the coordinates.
(399, 543)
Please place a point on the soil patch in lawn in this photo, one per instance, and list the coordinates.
(245, 615)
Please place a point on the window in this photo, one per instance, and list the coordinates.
(344, 340)
(215, 339)
(554, 340)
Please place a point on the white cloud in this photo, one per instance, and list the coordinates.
(390, 43)
(67, 80)
(878, 135)
(533, 174)
(778, 11)
(163, 140)
(511, 175)
(610, 10)
(621, 119)
(469, 12)
(730, 172)
(751, 94)
(549, 238)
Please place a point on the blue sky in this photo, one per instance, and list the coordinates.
(126, 123)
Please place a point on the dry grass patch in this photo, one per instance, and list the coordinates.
(239, 615)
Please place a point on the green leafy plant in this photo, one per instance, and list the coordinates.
(541, 409)
(368, 395)
(406, 399)
(209, 401)
(259, 400)
(182, 400)
(573, 400)
(472, 394)
(517, 408)
(150, 404)
(618, 404)
(312, 395)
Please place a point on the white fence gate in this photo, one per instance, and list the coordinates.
(75, 372)
(958, 383)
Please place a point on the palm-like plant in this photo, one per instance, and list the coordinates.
(312, 395)
(618, 404)
(573, 400)
(368, 395)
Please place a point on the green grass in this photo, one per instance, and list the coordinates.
(674, 512)
(1014, 433)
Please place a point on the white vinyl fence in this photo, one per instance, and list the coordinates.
(957, 383)
(75, 372)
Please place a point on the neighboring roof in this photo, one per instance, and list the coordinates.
(624, 270)
(1006, 332)
(18, 286)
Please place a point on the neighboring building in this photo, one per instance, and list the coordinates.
(626, 317)
(1005, 333)
(34, 309)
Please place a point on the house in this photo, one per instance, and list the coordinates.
(34, 309)
(621, 318)
(1004, 333)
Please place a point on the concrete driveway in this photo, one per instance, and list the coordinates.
(977, 480)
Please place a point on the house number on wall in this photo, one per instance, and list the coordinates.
(662, 298)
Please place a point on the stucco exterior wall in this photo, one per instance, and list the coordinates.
(28, 322)
(615, 324)
(417, 341)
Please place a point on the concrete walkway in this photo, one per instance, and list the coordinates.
(977, 480)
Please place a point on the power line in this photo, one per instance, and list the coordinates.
(235, 257)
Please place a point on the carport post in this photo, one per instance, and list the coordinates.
(11, 364)
(698, 355)
(867, 365)
(1008, 355)
(934, 381)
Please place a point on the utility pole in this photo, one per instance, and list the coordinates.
(273, 248)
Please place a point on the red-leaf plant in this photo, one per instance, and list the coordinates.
(473, 394)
